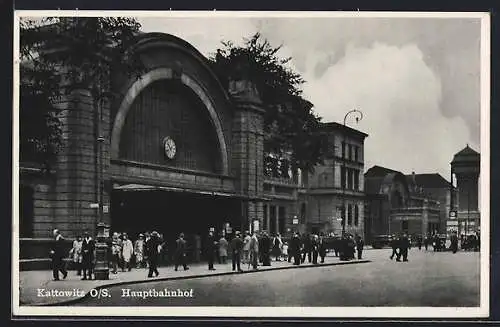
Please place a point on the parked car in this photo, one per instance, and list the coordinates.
(381, 241)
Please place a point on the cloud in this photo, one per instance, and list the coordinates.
(399, 96)
(416, 80)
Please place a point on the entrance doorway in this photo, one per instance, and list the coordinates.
(170, 213)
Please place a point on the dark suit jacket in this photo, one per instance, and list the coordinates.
(88, 248)
(152, 247)
(236, 245)
(58, 248)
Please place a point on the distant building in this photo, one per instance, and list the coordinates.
(466, 168)
(395, 203)
(435, 187)
(336, 188)
(313, 202)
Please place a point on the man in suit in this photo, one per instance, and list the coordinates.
(404, 245)
(88, 247)
(359, 246)
(58, 253)
(236, 250)
(295, 246)
(180, 252)
(211, 247)
(152, 252)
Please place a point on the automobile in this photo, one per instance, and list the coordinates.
(381, 241)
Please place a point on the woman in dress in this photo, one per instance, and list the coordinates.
(139, 251)
(223, 245)
(127, 252)
(76, 254)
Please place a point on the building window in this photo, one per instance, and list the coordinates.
(349, 179)
(356, 179)
(281, 220)
(356, 150)
(349, 215)
(343, 150)
(356, 215)
(342, 177)
(350, 152)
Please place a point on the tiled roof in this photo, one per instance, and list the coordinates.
(428, 180)
(378, 171)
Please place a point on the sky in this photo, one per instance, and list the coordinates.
(416, 80)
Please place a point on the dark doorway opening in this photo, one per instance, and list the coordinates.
(170, 213)
(26, 212)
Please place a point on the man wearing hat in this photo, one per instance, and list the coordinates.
(236, 250)
(211, 247)
(180, 252)
(152, 253)
(88, 247)
(58, 253)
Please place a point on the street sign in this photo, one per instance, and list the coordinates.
(94, 205)
(105, 209)
(229, 230)
(295, 221)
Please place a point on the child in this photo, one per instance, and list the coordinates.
(284, 251)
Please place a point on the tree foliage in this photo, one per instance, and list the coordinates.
(59, 55)
(291, 127)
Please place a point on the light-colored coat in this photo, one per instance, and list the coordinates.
(127, 250)
(246, 243)
(254, 244)
(223, 245)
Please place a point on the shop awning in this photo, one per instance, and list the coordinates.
(141, 187)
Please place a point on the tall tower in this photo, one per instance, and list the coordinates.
(465, 167)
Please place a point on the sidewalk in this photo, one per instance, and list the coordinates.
(34, 284)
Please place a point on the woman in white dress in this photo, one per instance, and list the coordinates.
(127, 252)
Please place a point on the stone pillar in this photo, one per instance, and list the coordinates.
(268, 217)
(75, 184)
(248, 147)
(425, 218)
(277, 212)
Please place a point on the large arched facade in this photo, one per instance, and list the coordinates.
(185, 185)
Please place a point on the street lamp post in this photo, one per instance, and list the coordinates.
(101, 270)
(358, 117)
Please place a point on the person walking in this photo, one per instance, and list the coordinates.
(246, 247)
(454, 242)
(265, 248)
(223, 245)
(127, 252)
(322, 248)
(394, 246)
(359, 246)
(254, 250)
(426, 242)
(180, 252)
(306, 241)
(88, 248)
(315, 249)
(277, 247)
(236, 250)
(152, 253)
(76, 255)
(139, 251)
(404, 245)
(284, 252)
(57, 254)
(211, 248)
(295, 248)
(115, 252)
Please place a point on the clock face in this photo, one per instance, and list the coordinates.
(169, 147)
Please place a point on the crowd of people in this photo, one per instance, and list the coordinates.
(149, 249)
